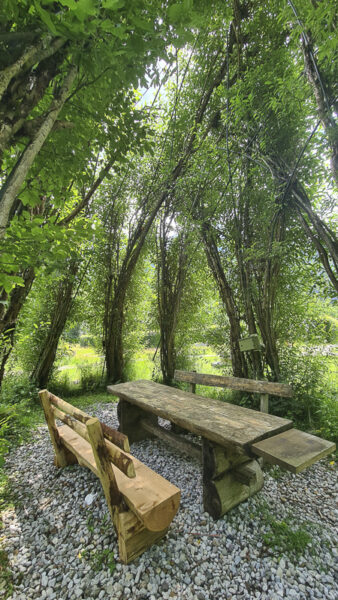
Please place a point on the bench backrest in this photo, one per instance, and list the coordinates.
(264, 388)
(236, 383)
(116, 443)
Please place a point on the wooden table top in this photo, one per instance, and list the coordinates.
(221, 422)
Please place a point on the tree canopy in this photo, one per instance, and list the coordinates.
(217, 194)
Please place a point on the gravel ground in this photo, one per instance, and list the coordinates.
(56, 542)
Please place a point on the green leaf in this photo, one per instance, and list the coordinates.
(175, 12)
(146, 25)
(45, 17)
(112, 4)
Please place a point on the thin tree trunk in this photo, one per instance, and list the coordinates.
(9, 320)
(325, 111)
(16, 179)
(18, 108)
(169, 291)
(114, 341)
(239, 364)
(325, 238)
(62, 306)
(32, 55)
(320, 249)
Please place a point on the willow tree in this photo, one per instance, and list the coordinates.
(172, 263)
(257, 175)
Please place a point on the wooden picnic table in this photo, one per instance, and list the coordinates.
(232, 437)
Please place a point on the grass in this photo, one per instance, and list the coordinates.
(78, 369)
(285, 537)
(99, 559)
(6, 578)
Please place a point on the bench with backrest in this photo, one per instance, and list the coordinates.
(232, 437)
(141, 503)
(263, 388)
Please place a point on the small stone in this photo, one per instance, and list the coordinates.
(110, 588)
(89, 499)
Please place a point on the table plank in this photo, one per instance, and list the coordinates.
(224, 423)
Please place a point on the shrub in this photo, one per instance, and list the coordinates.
(91, 378)
(18, 387)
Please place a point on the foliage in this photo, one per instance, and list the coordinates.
(18, 388)
(6, 576)
(326, 417)
(99, 559)
(286, 538)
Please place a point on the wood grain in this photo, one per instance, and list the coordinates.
(103, 465)
(63, 456)
(120, 459)
(293, 450)
(151, 497)
(226, 424)
(175, 441)
(116, 437)
(235, 383)
(229, 477)
(133, 537)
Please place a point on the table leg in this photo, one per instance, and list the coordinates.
(129, 417)
(229, 478)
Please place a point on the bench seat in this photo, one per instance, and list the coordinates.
(151, 497)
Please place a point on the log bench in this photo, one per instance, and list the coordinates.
(253, 386)
(233, 437)
(141, 503)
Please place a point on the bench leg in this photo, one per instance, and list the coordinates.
(133, 537)
(229, 478)
(129, 417)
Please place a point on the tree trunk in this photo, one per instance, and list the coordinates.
(10, 317)
(239, 364)
(114, 343)
(62, 306)
(323, 238)
(325, 104)
(16, 120)
(170, 289)
(14, 182)
(32, 55)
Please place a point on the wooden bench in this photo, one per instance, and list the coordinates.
(263, 388)
(141, 503)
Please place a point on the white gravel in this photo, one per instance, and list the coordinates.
(56, 535)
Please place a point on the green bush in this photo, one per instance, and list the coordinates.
(18, 387)
(4, 430)
(18, 421)
(91, 378)
(327, 414)
(304, 373)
